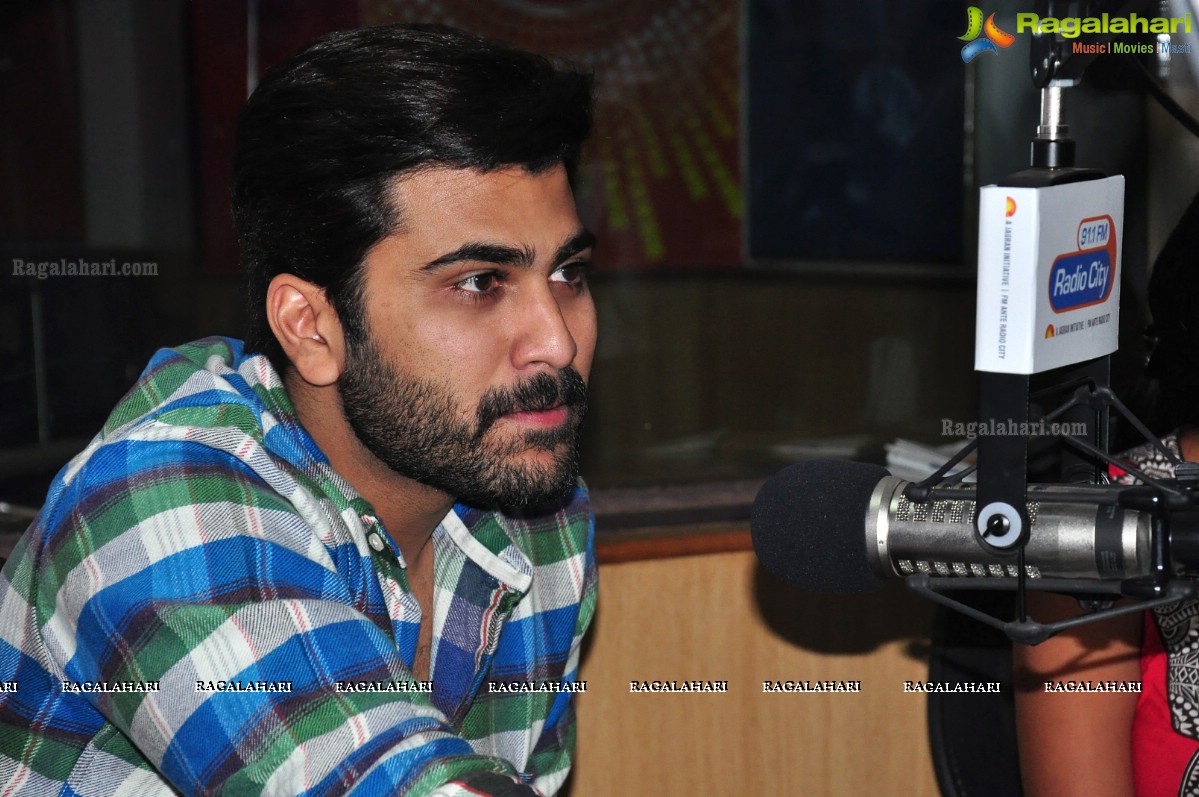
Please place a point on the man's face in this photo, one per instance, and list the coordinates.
(480, 332)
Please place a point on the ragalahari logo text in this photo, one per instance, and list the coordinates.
(994, 41)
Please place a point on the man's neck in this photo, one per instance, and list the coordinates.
(410, 510)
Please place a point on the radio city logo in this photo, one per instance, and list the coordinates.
(1086, 276)
(995, 40)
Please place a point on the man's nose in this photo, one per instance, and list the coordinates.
(544, 334)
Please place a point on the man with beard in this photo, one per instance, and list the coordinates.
(351, 554)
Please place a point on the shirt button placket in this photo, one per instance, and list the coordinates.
(374, 538)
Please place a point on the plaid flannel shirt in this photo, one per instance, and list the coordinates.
(202, 546)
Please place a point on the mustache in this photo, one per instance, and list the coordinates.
(535, 394)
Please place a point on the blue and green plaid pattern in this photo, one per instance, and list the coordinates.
(201, 556)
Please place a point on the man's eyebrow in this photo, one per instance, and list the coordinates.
(501, 255)
(482, 253)
(583, 239)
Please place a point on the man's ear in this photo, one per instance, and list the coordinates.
(307, 328)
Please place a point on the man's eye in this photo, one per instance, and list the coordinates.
(486, 282)
(571, 273)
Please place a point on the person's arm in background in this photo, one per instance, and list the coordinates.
(1074, 743)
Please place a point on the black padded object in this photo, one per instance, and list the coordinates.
(808, 526)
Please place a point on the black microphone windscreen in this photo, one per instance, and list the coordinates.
(809, 526)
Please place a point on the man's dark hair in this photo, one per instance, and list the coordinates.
(322, 137)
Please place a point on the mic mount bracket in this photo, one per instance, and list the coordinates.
(1030, 632)
(1158, 498)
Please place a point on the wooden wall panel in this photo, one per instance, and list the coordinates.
(720, 617)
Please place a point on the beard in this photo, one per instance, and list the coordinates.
(414, 427)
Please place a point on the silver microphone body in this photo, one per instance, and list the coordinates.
(1067, 538)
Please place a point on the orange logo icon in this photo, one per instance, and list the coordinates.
(1010, 208)
(1049, 331)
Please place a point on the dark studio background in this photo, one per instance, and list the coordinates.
(785, 195)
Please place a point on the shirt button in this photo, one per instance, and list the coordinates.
(375, 541)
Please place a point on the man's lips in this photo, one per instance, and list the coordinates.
(554, 416)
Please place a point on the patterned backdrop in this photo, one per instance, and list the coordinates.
(661, 179)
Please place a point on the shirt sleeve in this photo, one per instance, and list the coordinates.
(555, 750)
(204, 582)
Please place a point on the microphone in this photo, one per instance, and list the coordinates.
(837, 527)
